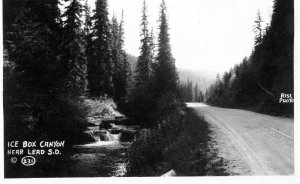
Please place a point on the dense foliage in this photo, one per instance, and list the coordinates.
(155, 77)
(259, 81)
(54, 61)
(180, 143)
(35, 76)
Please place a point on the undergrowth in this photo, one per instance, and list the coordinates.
(179, 142)
(102, 107)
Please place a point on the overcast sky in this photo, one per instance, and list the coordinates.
(210, 35)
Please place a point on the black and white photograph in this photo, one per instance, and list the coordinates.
(148, 88)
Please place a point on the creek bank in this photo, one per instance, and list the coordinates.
(109, 130)
(103, 151)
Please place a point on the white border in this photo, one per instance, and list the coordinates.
(294, 179)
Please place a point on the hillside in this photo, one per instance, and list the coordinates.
(203, 78)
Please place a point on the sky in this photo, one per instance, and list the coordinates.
(207, 35)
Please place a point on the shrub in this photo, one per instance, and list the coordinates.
(141, 106)
(179, 142)
(146, 153)
(103, 106)
(63, 119)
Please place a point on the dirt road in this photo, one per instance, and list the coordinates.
(265, 143)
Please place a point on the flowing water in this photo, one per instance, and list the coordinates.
(106, 156)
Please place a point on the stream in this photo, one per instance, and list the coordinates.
(104, 155)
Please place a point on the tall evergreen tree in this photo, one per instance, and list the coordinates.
(74, 61)
(165, 75)
(121, 65)
(87, 19)
(141, 103)
(152, 51)
(144, 61)
(125, 72)
(89, 47)
(116, 54)
(100, 67)
(258, 29)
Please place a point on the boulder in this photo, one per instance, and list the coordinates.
(87, 137)
(170, 173)
(102, 134)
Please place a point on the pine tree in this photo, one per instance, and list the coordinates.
(74, 61)
(141, 102)
(100, 67)
(144, 61)
(258, 29)
(116, 55)
(165, 75)
(89, 47)
(202, 97)
(125, 80)
(152, 52)
(125, 72)
(196, 93)
(87, 19)
(120, 60)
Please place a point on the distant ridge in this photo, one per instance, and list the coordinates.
(200, 77)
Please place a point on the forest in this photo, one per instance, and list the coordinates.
(258, 82)
(56, 58)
